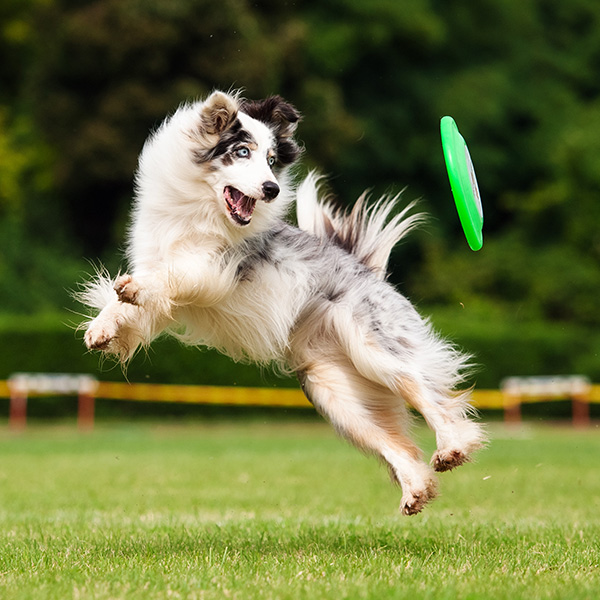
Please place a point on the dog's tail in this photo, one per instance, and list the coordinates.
(367, 232)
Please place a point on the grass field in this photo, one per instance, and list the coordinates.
(287, 510)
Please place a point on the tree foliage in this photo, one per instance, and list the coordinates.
(83, 82)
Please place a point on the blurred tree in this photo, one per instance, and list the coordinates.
(83, 82)
(35, 266)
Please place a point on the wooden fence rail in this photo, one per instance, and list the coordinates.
(20, 387)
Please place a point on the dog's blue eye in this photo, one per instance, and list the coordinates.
(243, 152)
(271, 161)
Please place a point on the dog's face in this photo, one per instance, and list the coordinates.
(244, 147)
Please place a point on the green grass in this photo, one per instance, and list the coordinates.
(286, 510)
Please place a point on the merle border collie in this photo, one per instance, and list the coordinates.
(213, 261)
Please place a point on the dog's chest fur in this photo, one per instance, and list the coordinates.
(273, 285)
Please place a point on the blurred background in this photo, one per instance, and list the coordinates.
(82, 83)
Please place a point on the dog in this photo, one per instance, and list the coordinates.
(213, 261)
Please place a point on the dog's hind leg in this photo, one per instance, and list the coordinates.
(457, 436)
(374, 420)
(425, 380)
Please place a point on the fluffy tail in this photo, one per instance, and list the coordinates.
(367, 232)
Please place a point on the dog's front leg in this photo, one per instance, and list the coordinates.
(115, 330)
(186, 281)
(133, 314)
(144, 303)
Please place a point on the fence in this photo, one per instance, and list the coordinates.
(513, 393)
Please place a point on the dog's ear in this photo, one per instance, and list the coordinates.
(275, 112)
(218, 112)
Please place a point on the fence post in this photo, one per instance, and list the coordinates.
(86, 400)
(512, 396)
(581, 410)
(85, 411)
(17, 417)
(512, 408)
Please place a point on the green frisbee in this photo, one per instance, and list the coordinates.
(463, 182)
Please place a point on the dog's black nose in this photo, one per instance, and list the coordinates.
(270, 190)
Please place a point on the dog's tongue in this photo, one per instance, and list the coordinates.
(241, 205)
(245, 205)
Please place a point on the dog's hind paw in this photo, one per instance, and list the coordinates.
(446, 460)
(414, 501)
(127, 289)
(412, 504)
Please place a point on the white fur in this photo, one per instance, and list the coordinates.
(313, 301)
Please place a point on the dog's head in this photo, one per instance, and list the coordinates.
(243, 148)
(220, 165)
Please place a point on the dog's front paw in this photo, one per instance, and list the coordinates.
(100, 334)
(127, 289)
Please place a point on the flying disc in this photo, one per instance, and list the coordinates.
(463, 182)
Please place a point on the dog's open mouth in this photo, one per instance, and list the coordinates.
(239, 205)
